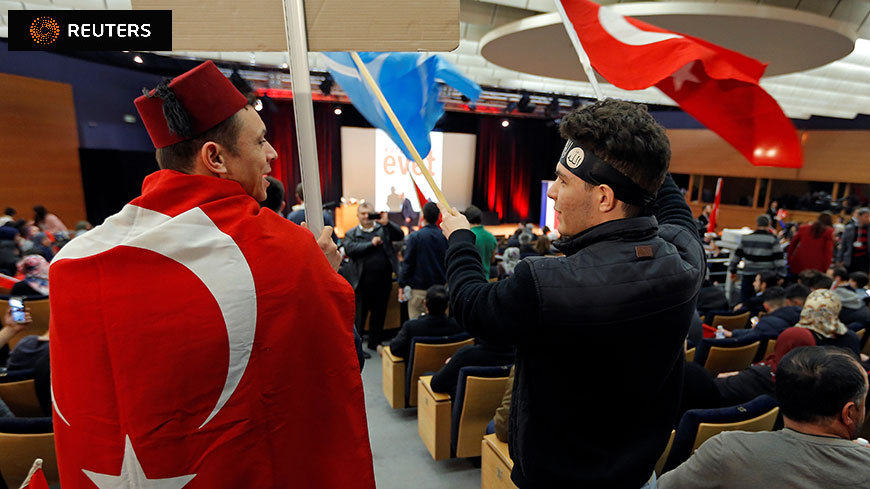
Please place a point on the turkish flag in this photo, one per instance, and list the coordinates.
(37, 480)
(717, 86)
(235, 368)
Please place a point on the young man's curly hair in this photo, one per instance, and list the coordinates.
(624, 135)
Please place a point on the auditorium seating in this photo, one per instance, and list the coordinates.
(495, 464)
(660, 465)
(393, 378)
(726, 355)
(23, 440)
(18, 392)
(698, 425)
(731, 322)
(433, 419)
(479, 393)
(428, 354)
(690, 354)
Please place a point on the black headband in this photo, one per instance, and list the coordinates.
(592, 169)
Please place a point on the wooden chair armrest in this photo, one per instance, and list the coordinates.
(388, 354)
(426, 382)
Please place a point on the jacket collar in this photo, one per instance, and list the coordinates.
(631, 229)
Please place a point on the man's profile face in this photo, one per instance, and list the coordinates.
(757, 285)
(573, 201)
(254, 155)
(864, 219)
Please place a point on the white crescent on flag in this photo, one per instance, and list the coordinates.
(143, 228)
(626, 33)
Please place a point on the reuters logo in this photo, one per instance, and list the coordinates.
(44, 30)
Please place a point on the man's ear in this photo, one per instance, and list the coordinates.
(849, 416)
(606, 199)
(211, 158)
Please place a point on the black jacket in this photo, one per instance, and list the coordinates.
(423, 264)
(595, 331)
(358, 247)
(428, 325)
(480, 355)
(771, 325)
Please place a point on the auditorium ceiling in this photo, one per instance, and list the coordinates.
(818, 50)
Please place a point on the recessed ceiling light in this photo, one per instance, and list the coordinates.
(505, 123)
(138, 59)
(284, 66)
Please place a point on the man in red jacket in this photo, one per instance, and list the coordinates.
(199, 341)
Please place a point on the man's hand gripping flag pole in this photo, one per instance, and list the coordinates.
(398, 126)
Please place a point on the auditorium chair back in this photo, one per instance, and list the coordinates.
(19, 393)
(23, 440)
(727, 354)
(428, 354)
(698, 425)
(479, 393)
(731, 323)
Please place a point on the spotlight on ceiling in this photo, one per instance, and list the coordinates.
(326, 84)
(510, 107)
(337, 110)
(138, 59)
(525, 104)
(505, 123)
(258, 105)
(284, 66)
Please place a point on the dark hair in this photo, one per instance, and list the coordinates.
(797, 291)
(860, 279)
(808, 276)
(773, 295)
(542, 245)
(9, 211)
(39, 213)
(762, 221)
(823, 222)
(626, 137)
(274, 194)
(841, 273)
(815, 382)
(769, 278)
(821, 282)
(436, 300)
(473, 214)
(299, 192)
(180, 156)
(431, 212)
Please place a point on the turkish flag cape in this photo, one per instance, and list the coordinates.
(718, 87)
(714, 215)
(199, 341)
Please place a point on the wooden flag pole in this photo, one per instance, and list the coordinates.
(398, 126)
(303, 112)
(581, 53)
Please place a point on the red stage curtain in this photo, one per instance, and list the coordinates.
(281, 134)
(510, 164)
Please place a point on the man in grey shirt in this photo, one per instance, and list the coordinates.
(822, 393)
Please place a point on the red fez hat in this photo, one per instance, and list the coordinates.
(188, 105)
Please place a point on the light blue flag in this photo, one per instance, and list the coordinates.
(409, 83)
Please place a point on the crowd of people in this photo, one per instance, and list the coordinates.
(625, 274)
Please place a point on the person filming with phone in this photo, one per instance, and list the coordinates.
(373, 261)
(30, 348)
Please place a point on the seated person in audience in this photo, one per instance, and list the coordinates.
(503, 412)
(510, 260)
(779, 317)
(817, 281)
(819, 315)
(763, 280)
(542, 246)
(858, 282)
(711, 298)
(738, 387)
(796, 294)
(29, 349)
(41, 246)
(34, 269)
(434, 323)
(526, 246)
(854, 310)
(822, 394)
(274, 196)
(481, 354)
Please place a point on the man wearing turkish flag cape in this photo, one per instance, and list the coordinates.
(199, 341)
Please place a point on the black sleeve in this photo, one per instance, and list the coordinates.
(401, 344)
(671, 207)
(394, 231)
(492, 311)
(446, 379)
(357, 341)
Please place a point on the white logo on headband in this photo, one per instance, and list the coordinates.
(575, 157)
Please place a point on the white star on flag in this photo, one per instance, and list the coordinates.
(132, 475)
(684, 75)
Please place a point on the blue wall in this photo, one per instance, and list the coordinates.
(102, 95)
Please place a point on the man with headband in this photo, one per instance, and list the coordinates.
(600, 331)
(199, 341)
